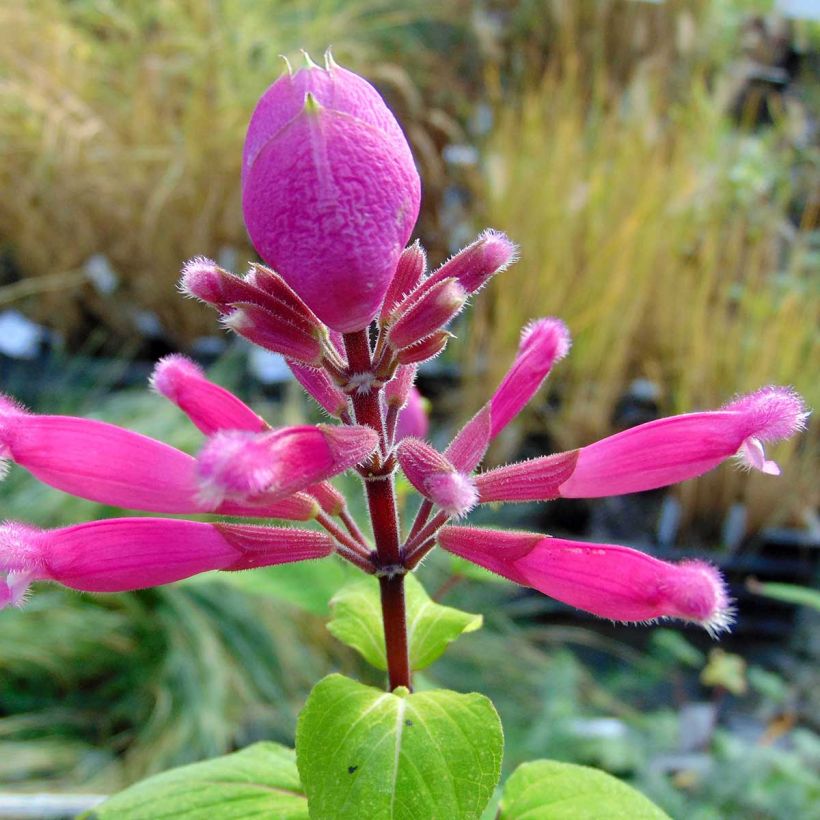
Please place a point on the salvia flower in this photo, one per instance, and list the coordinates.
(330, 197)
(330, 191)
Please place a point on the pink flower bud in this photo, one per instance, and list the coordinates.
(242, 465)
(330, 191)
(538, 479)
(209, 406)
(274, 332)
(436, 478)
(409, 271)
(543, 343)
(205, 280)
(470, 445)
(330, 499)
(474, 265)
(397, 390)
(607, 580)
(132, 553)
(429, 314)
(318, 384)
(412, 419)
(424, 350)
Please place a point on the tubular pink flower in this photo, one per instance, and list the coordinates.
(409, 271)
(470, 445)
(318, 384)
(204, 280)
(426, 349)
(123, 554)
(397, 390)
(430, 313)
(274, 332)
(681, 447)
(209, 406)
(330, 191)
(543, 343)
(110, 465)
(436, 478)
(412, 419)
(607, 580)
(330, 499)
(241, 465)
(474, 265)
(538, 479)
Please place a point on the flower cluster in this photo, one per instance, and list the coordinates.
(330, 197)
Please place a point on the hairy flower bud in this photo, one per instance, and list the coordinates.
(430, 313)
(330, 191)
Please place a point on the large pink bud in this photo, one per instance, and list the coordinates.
(330, 191)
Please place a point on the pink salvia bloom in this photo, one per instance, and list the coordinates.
(681, 447)
(330, 499)
(430, 313)
(239, 465)
(538, 479)
(318, 384)
(330, 191)
(397, 390)
(110, 465)
(436, 478)
(132, 553)
(412, 419)
(209, 406)
(474, 265)
(607, 580)
(275, 333)
(204, 280)
(409, 271)
(543, 342)
(470, 445)
(426, 349)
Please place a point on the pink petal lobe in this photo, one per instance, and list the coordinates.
(209, 406)
(133, 553)
(605, 579)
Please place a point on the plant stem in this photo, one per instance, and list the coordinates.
(381, 502)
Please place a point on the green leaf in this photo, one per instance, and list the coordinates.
(548, 790)
(357, 621)
(260, 781)
(788, 593)
(365, 753)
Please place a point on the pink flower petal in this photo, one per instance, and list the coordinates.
(543, 343)
(607, 580)
(539, 479)
(209, 406)
(681, 447)
(132, 553)
(470, 445)
(412, 419)
(239, 465)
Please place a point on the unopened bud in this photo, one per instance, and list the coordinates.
(409, 271)
(429, 314)
(426, 349)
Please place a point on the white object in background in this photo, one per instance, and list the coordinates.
(799, 9)
(269, 368)
(20, 338)
(98, 269)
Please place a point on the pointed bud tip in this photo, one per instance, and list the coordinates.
(499, 250)
(698, 593)
(548, 332)
(170, 372)
(455, 493)
(773, 412)
(199, 278)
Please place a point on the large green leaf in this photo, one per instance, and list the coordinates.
(357, 621)
(548, 790)
(365, 753)
(260, 781)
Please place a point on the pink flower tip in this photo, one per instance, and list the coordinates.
(200, 279)
(772, 413)
(455, 493)
(696, 592)
(499, 250)
(171, 372)
(21, 562)
(549, 335)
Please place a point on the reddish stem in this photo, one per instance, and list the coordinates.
(381, 501)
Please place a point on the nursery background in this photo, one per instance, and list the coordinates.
(659, 165)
